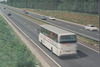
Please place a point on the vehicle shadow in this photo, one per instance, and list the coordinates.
(79, 55)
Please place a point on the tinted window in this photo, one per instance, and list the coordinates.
(68, 39)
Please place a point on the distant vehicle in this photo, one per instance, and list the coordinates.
(26, 12)
(43, 18)
(4, 8)
(9, 14)
(59, 41)
(91, 27)
(52, 18)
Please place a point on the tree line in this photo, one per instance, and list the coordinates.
(83, 6)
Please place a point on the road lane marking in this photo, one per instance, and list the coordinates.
(81, 29)
(88, 47)
(62, 28)
(70, 30)
(33, 42)
(67, 29)
(38, 46)
(97, 34)
(35, 30)
(67, 25)
(78, 56)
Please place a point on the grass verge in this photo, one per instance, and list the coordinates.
(87, 41)
(13, 52)
(29, 17)
(80, 18)
(79, 37)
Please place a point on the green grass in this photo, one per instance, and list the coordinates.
(79, 37)
(29, 17)
(13, 52)
(80, 18)
(87, 40)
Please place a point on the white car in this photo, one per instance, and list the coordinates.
(52, 18)
(91, 28)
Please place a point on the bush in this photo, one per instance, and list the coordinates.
(13, 52)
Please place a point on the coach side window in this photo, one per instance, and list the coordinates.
(46, 32)
(49, 34)
(53, 36)
(41, 30)
(56, 38)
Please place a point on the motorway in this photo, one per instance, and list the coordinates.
(78, 29)
(84, 58)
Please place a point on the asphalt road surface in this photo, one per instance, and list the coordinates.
(84, 58)
(64, 25)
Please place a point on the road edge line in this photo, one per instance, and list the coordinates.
(88, 47)
(34, 43)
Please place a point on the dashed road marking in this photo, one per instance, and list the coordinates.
(35, 30)
(34, 43)
(81, 29)
(78, 56)
(88, 47)
(97, 34)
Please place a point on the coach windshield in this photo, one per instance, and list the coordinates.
(68, 39)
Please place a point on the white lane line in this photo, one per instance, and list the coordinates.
(63, 28)
(81, 29)
(78, 56)
(60, 26)
(38, 46)
(67, 29)
(35, 30)
(88, 47)
(34, 43)
(97, 34)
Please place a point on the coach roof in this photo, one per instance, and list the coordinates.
(56, 29)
